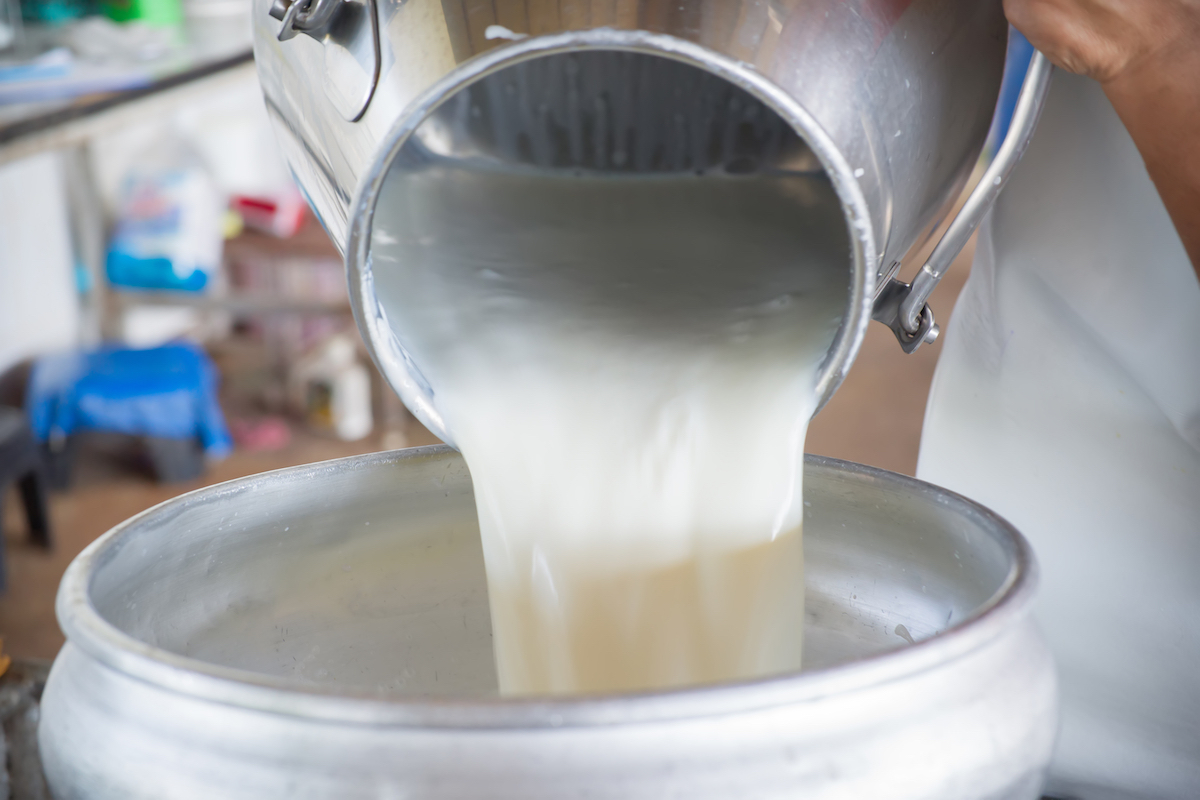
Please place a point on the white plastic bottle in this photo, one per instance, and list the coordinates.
(333, 390)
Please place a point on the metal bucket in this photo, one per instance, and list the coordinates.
(890, 101)
(323, 632)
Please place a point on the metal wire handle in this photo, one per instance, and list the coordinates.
(905, 308)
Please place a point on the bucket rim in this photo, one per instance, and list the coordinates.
(87, 630)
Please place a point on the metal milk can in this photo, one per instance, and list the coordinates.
(891, 99)
(323, 633)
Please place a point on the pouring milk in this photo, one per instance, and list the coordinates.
(628, 366)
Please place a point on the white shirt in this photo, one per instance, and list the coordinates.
(1067, 399)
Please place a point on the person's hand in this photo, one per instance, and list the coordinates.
(1146, 55)
(1108, 39)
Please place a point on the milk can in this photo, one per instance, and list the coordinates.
(890, 100)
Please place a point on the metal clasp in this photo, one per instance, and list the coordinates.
(887, 311)
(311, 17)
(348, 31)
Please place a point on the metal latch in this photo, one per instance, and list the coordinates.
(887, 311)
(348, 31)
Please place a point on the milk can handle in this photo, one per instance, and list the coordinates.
(914, 313)
(348, 31)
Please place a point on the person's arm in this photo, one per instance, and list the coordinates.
(1146, 55)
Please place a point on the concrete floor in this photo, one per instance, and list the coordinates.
(875, 418)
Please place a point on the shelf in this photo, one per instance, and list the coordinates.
(31, 128)
(239, 305)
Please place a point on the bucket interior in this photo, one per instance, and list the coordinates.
(366, 575)
(609, 112)
(654, 189)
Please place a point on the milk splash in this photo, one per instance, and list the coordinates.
(628, 366)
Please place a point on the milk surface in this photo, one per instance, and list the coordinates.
(628, 366)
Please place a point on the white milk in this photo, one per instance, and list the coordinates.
(628, 367)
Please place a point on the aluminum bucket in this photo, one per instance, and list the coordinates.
(892, 101)
(323, 632)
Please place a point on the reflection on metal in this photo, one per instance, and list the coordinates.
(617, 113)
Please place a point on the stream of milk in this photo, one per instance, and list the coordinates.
(628, 366)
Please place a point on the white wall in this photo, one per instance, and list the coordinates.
(39, 306)
(228, 130)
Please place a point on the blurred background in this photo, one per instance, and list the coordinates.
(172, 316)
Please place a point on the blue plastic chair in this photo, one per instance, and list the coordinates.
(163, 394)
